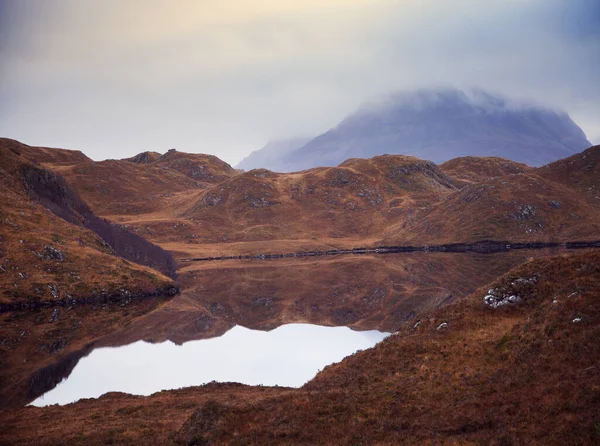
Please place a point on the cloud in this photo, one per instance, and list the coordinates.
(115, 78)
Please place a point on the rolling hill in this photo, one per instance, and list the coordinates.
(196, 205)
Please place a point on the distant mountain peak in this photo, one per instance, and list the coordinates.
(438, 124)
(273, 149)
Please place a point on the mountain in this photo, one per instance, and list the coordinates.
(438, 125)
(268, 156)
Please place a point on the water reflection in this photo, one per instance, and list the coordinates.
(362, 292)
(289, 355)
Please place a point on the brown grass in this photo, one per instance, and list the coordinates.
(391, 200)
(44, 258)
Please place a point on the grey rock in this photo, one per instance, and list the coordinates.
(53, 253)
(525, 212)
(55, 315)
(53, 290)
(554, 204)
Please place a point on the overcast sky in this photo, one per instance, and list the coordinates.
(114, 78)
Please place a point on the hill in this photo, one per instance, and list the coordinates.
(54, 249)
(580, 172)
(354, 200)
(196, 205)
(438, 125)
(470, 170)
(502, 200)
(199, 167)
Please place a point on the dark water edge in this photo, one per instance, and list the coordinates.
(97, 299)
(481, 247)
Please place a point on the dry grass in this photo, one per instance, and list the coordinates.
(43, 258)
(391, 200)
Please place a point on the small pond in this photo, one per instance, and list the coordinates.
(289, 355)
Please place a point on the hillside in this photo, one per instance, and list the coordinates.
(354, 200)
(196, 205)
(43, 155)
(580, 172)
(438, 125)
(199, 167)
(502, 200)
(49, 243)
(516, 208)
(470, 170)
(457, 375)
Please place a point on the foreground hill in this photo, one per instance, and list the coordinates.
(54, 249)
(493, 368)
(438, 125)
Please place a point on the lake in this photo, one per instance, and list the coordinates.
(289, 355)
(299, 315)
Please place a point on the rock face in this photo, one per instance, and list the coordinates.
(438, 125)
(144, 158)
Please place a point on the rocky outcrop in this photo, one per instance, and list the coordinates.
(144, 158)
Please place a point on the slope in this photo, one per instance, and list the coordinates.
(502, 200)
(48, 253)
(355, 199)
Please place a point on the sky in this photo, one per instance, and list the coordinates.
(115, 78)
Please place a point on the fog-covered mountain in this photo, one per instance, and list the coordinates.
(271, 154)
(436, 124)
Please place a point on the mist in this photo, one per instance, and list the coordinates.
(114, 79)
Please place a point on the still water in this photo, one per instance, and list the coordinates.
(289, 355)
